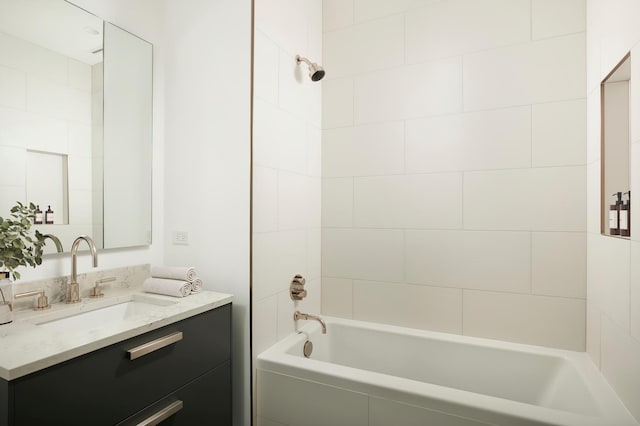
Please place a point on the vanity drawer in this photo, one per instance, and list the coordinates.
(105, 386)
(205, 401)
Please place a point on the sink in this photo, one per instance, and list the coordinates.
(105, 315)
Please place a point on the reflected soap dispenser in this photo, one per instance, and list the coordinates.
(48, 216)
(625, 216)
(37, 220)
(614, 215)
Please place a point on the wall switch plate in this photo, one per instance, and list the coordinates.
(181, 238)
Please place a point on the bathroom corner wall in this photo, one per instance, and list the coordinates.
(454, 166)
(613, 283)
(286, 165)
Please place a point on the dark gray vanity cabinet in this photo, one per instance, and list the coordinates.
(185, 383)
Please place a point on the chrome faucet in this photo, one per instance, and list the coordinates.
(55, 240)
(297, 315)
(73, 293)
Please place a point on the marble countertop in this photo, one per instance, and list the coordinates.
(26, 347)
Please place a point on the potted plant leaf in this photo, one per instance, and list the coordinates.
(19, 245)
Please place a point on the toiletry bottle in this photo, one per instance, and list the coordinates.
(614, 215)
(625, 217)
(38, 216)
(48, 216)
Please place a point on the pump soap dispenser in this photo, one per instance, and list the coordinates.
(625, 217)
(614, 215)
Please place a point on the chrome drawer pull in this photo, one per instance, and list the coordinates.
(163, 414)
(154, 345)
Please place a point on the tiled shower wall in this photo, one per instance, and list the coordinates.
(454, 166)
(286, 165)
(613, 310)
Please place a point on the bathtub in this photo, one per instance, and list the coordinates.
(362, 373)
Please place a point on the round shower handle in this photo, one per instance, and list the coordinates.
(296, 289)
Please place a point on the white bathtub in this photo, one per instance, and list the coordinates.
(370, 374)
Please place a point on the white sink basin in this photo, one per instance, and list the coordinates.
(101, 316)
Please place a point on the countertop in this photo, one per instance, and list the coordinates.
(26, 347)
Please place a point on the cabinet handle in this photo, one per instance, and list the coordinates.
(154, 345)
(163, 414)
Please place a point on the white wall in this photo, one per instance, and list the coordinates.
(454, 174)
(208, 81)
(613, 310)
(286, 165)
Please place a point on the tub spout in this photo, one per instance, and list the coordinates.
(300, 316)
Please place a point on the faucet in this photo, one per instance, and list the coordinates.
(55, 240)
(73, 294)
(297, 315)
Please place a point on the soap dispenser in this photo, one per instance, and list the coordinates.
(37, 220)
(48, 216)
(625, 216)
(614, 215)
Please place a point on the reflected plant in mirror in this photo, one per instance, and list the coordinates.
(76, 121)
(19, 244)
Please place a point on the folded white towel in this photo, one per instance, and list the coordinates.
(196, 285)
(184, 273)
(168, 287)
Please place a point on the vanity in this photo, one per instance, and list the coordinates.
(160, 359)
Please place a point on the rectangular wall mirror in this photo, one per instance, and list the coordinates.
(76, 122)
(615, 111)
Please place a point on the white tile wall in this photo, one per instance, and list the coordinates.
(467, 26)
(455, 162)
(517, 317)
(542, 71)
(634, 291)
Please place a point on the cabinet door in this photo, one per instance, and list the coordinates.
(204, 401)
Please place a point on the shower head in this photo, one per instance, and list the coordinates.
(316, 72)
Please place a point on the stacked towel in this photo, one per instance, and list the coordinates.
(177, 281)
(168, 287)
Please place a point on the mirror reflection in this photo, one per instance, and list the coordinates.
(75, 139)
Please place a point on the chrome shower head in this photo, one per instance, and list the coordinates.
(316, 72)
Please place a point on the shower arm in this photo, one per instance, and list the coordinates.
(302, 59)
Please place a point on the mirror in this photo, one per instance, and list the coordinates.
(615, 110)
(75, 122)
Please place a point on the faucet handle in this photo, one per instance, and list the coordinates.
(42, 302)
(296, 289)
(96, 291)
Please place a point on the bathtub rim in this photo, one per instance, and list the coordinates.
(440, 398)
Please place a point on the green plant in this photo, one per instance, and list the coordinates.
(19, 246)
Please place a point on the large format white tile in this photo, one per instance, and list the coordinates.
(544, 199)
(266, 64)
(314, 253)
(376, 149)
(559, 133)
(13, 123)
(365, 47)
(265, 199)
(434, 257)
(293, 210)
(456, 27)
(265, 323)
(285, 22)
(337, 202)
(497, 261)
(79, 75)
(9, 194)
(337, 297)
(365, 10)
(432, 308)
(297, 94)
(13, 88)
(369, 254)
(634, 291)
(538, 320)
(277, 258)
(314, 151)
(593, 332)
(432, 201)
(543, 71)
(14, 168)
(594, 136)
(608, 276)
(594, 173)
(474, 141)
(34, 60)
(552, 18)
(409, 92)
(620, 366)
(559, 264)
(286, 307)
(337, 103)
(336, 14)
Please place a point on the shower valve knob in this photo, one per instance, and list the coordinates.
(296, 288)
